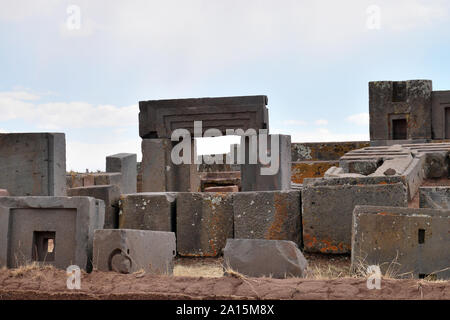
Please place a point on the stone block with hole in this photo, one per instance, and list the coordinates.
(52, 230)
(128, 251)
(404, 242)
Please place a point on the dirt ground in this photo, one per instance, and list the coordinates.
(203, 279)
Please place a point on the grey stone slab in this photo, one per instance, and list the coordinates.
(159, 118)
(110, 194)
(437, 164)
(408, 242)
(327, 212)
(271, 215)
(128, 251)
(434, 197)
(204, 223)
(264, 258)
(126, 164)
(148, 211)
(69, 221)
(33, 164)
(252, 176)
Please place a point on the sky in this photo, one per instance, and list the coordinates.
(81, 67)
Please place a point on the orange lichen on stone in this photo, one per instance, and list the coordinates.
(275, 231)
(310, 169)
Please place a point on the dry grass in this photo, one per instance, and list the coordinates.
(34, 267)
(198, 267)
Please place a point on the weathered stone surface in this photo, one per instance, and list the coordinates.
(129, 251)
(148, 211)
(33, 164)
(324, 151)
(159, 174)
(110, 194)
(159, 118)
(204, 223)
(434, 197)
(264, 258)
(27, 224)
(4, 193)
(310, 169)
(252, 177)
(327, 211)
(271, 215)
(126, 164)
(390, 101)
(440, 114)
(405, 240)
(437, 164)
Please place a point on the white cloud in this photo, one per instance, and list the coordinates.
(64, 115)
(321, 122)
(360, 119)
(294, 122)
(81, 155)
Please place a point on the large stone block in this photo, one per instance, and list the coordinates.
(126, 164)
(400, 110)
(252, 176)
(327, 211)
(159, 118)
(148, 211)
(406, 241)
(110, 194)
(129, 251)
(33, 164)
(204, 223)
(271, 215)
(434, 197)
(52, 230)
(264, 258)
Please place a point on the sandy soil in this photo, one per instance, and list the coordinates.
(50, 283)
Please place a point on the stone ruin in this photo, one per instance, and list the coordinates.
(384, 201)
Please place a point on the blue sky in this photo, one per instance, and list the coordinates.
(313, 59)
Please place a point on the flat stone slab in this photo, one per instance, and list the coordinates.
(53, 230)
(264, 258)
(204, 223)
(408, 242)
(148, 211)
(159, 118)
(271, 215)
(327, 211)
(33, 164)
(128, 251)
